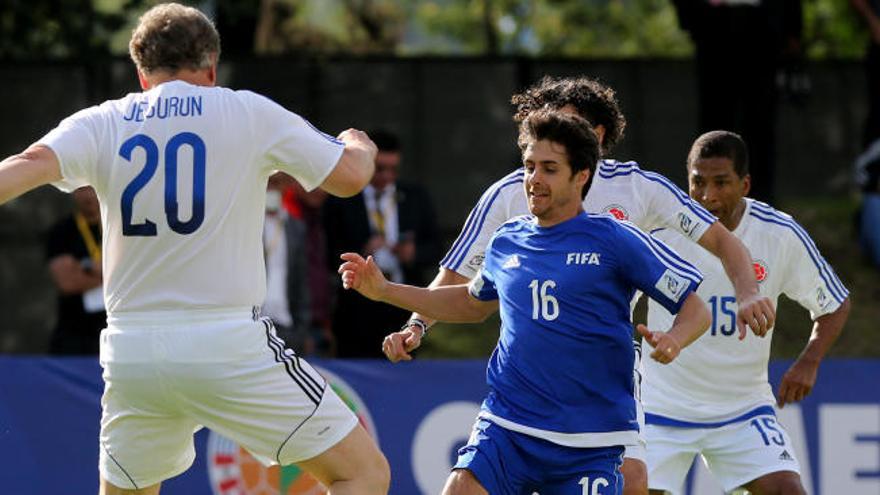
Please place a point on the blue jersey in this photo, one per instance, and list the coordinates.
(562, 369)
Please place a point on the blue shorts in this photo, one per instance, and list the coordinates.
(509, 463)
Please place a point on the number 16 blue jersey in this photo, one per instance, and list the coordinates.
(562, 369)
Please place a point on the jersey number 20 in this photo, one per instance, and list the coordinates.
(151, 149)
(544, 304)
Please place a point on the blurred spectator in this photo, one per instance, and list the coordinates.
(74, 254)
(747, 41)
(868, 163)
(395, 223)
(287, 295)
(307, 207)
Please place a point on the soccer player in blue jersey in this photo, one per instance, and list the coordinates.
(623, 189)
(561, 406)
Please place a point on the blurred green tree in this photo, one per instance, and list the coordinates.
(60, 29)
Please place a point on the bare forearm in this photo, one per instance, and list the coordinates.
(734, 257)
(826, 330)
(691, 321)
(27, 170)
(445, 277)
(448, 303)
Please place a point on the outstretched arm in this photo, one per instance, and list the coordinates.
(27, 170)
(691, 321)
(755, 310)
(399, 344)
(451, 303)
(798, 381)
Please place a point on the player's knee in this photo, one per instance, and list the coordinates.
(780, 483)
(635, 477)
(377, 475)
(462, 482)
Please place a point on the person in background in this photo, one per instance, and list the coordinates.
(74, 253)
(868, 162)
(394, 222)
(287, 290)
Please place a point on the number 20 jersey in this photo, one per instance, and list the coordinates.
(562, 369)
(180, 171)
(718, 378)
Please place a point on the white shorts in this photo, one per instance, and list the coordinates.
(736, 453)
(168, 375)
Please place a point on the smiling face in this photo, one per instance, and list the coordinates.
(552, 191)
(714, 183)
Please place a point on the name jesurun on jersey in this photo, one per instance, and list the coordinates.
(163, 108)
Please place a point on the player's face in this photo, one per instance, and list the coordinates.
(713, 183)
(598, 129)
(553, 193)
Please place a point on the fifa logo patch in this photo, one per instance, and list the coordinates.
(686, 223)
(512, 262)
(761, 270)
(671, 285)
(616, 211)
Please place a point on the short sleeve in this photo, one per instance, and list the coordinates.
(75, 144)
(667, 206)
(809, 279)
(291, 144)
(483, 287)
(654, 268)
(468, 252)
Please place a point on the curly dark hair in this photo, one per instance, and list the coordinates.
(593, 100)
(170, 37)
(573, 132)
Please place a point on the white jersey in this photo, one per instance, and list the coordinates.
(181, 173)
(646, 199)
(720, 379)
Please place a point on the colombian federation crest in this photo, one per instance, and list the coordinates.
(761, 271)
(617, 211)
(233, 471)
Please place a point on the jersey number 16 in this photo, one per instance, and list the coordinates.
(544, 304)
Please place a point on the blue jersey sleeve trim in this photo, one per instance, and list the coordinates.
(666, 256)
(765, 213)
(656, 419)
(474, 223)
(323, 134)
(682, 198)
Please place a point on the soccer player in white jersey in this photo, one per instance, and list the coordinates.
(181, 170)
(561, 402)
(644, 198)
(715, 400)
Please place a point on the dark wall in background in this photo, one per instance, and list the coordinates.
(453, 117)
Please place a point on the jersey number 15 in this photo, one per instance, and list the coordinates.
(151, 149)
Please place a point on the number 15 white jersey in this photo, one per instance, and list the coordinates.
(719, 378)
(181, 172)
